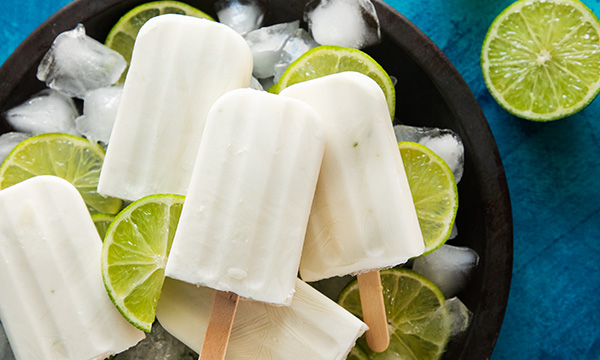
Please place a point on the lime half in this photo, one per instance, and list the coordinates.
(433, 190)
(326, 60)
(134, 256)
(418, 330)
(70, 157)
(541, 58)
(122, 36)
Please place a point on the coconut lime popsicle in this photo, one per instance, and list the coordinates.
(312, 327)
(180, 65)
(53, 303)
(363, 217)
(244, 219)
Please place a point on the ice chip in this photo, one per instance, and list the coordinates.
(449, 267)
(266, 44)
(294, 47)
(158, 345)
(47, 111)
(255, 84)
(5, 349)
(444, 142)
(99, 112)
(454, 232)
(77, 64)
(349, 23)
(8, 141)
(241, 15)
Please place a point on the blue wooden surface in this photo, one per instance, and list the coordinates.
(553, 171)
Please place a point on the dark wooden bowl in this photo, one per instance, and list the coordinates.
(430, 92)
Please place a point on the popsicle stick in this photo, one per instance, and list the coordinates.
(219, 326)
(373, 308)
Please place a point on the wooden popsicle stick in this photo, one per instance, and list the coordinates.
(219, 326)
(373, 308)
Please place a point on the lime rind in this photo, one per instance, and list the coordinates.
(435, 196)
(345, 59)
(134, 256)
(542, 95)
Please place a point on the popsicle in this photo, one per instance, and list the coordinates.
(312, 327)
(180, 65)
(244, 220)
(53, 303)
(363, 218)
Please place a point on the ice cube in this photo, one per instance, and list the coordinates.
(267, 83)
(99, 112)
(158, 345)
(242, 15)
(294, 47)
(266, 44)
(444, 142)
(5, 350)
(454, 311)
(349, 23)
(47, 111)
(449, 267)
(8, 141)
(77, 64)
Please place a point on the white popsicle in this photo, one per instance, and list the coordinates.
(363, 218)
(244, 219)
(180, 65)
(53, 303)
(312, 327)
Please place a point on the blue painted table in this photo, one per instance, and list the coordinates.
(553, 172)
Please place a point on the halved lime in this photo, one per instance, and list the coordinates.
(433, 190)
(326, 60)
(70, 157)
(541, 58)
(418, 330)
(102, 222)
(134, 256)
(122, 36)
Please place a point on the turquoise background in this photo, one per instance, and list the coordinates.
(553, 172)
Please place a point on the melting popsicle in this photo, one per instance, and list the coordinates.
(53, 303)
(244, 220)
(363, 218)
(180, 65)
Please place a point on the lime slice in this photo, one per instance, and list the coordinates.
(417, 329)
(122, 36)
(357, 354)
(134, 255)
(102, 222)
(433, 190)
(326, 60)
(70, 157)
(541, 58)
